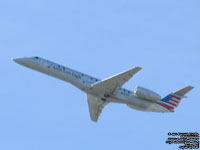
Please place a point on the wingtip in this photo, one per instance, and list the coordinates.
(135, 69)
(94, 120)
(191, 87)
(139, 68)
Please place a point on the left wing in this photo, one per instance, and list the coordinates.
(96, 106)
(112, 84)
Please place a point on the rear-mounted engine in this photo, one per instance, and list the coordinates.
(146, 94)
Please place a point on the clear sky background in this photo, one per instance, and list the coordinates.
(99, 38)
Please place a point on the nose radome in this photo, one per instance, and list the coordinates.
(20, 61)
(14, 59)
(17, 60)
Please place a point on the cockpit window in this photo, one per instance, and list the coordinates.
(36, 57)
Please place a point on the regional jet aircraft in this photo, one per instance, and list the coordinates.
(101, 92)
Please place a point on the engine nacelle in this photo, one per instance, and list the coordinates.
(146, 94)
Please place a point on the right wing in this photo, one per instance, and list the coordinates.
(112, 84)
(96, 106)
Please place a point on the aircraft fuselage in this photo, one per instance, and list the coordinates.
(84, 82)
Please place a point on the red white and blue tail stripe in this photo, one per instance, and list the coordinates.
(169, 102)
(172, 100)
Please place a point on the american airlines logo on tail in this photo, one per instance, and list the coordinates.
(172, 100)
(169, 102)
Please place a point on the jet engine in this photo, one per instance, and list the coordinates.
(146, 94)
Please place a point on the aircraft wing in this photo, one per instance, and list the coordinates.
(112, 84)
(96, 106)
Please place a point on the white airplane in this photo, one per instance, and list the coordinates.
(101, 92)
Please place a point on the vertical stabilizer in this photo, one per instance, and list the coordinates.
(172, 100)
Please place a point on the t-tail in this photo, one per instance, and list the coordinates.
(172, 100)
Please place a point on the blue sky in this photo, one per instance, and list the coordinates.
(100, 38)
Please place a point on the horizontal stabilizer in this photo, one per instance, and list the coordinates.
(172, 100)
(183, 91)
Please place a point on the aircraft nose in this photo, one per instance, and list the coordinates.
(18, 60)
(25, 61)
(22, 61)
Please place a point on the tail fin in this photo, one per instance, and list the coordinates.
(172, 100)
